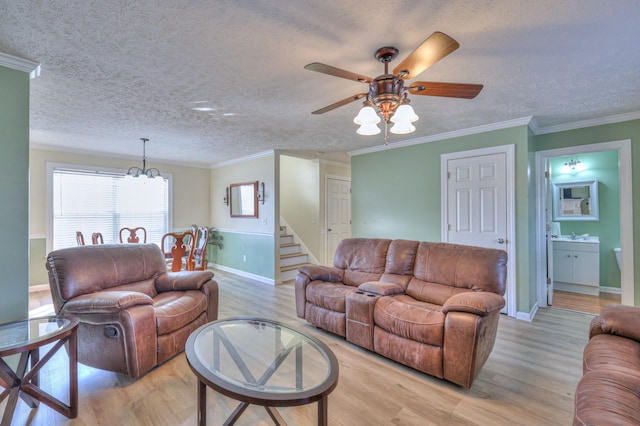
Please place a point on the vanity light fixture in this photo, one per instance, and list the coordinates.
(260, 193)
(572, 165)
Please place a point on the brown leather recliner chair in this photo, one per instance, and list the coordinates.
(134, 315)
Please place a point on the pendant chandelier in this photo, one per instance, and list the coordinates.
(143, 172)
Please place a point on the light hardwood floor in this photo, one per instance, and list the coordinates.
(583, 302)
(529, 379)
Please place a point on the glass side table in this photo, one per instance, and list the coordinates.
(26, 337)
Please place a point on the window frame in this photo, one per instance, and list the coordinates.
(52, 166)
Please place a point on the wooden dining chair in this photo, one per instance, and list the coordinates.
(133, 237)
(79, 238)
(197, 260)
(96, 238)
(176, 248)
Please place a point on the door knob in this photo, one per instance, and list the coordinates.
(500, 240)
(329, 230)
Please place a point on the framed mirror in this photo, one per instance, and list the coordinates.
(243, 199)
(575, 200)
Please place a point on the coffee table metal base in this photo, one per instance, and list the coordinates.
(323, 410)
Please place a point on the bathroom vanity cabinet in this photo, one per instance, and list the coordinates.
(576, 265)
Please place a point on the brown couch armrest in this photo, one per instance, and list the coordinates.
(322, 273)
(183, 280)
(105, 302)
(621, 320)
(381, 288)
(474, 302)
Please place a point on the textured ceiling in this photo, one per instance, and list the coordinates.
(116, 71)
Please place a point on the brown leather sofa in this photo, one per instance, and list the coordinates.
(431, 306)
(134, 315)
(609, 391)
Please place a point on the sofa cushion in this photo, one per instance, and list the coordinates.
(367, 255)
(467, 267)
(329, 296)
(407, 317)
(175, 309)
(606, 350)
(430, 292)
(608, 397)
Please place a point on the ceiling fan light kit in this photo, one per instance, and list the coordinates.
(387, 96)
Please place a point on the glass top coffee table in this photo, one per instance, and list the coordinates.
(261, 362)
(26, 337)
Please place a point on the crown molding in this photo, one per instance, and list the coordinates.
(13, 62)
(524, 121)
(129, 157)
(589, 123)
(243, 159)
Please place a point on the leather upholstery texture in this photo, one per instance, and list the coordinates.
(609, 391)
(134, 314)
(431, 306)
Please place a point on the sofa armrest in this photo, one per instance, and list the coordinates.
(621, 320)
(322, 273)
(474, 302)
(105, 302)
(381, 288)
(182, 280)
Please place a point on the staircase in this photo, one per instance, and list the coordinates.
(291, 256)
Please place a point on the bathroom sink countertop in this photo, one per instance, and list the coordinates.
(577, 238)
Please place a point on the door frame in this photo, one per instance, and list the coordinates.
(626, 213)
(327, 260)
(510, 237)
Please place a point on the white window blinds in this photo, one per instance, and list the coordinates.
(91, 201)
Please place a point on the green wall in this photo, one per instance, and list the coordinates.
(607, 133)
(603, 167)
(14, 193)
(396, 194)
(258, 250)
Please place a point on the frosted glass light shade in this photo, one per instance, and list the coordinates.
(369, 129)
(367, 115)
(404, 113)
(402, 128)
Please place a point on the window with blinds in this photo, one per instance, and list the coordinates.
(95, 201)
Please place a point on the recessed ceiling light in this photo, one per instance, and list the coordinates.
(205, 109)
(228, 114)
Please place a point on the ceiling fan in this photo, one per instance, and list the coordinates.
(388, 93)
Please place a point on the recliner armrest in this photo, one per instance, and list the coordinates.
(322, 273)
(381, 288)
(474, 302)
(105, 302)
(182, 280)
(621, 320)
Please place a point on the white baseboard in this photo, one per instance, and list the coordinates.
(39, 287)
(528, 316)
(612, 290)
(245, 274)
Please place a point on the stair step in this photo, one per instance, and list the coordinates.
(288, 248)
(292, 267)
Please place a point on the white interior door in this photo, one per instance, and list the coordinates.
(338, 201)
(548, 238)
(478, 205)
(477, 201)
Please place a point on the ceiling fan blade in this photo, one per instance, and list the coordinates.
(340, 103)
(435, 47)
(448, 90)
(337, 72)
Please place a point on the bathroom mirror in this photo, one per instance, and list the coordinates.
(575, 200)
(243, 199)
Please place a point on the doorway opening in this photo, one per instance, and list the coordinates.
(546, 234)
